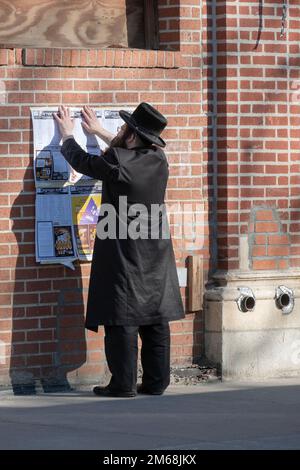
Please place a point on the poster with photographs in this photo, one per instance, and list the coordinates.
(50, 167)
(54, 229)
(67, 202)
(63, 241)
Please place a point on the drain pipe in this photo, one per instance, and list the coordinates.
(246, 301)
(284, 299)
(212, 114)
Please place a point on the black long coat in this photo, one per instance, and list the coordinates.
(133, 281)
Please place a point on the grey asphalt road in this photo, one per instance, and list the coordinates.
(220, 415)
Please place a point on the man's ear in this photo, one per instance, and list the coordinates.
(131, 138)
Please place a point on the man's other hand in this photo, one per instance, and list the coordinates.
(90, 123)
(64, 121)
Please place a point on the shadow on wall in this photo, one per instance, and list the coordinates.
(48, 335)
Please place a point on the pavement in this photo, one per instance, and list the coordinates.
(218, 415)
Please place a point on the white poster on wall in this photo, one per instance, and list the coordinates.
(67, 202)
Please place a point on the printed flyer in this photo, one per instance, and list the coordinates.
(67, 202)
(54, 229)
(85, 211)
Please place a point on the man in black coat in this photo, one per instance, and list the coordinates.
(134, 285)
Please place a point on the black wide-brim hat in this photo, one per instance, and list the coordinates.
(147, 122)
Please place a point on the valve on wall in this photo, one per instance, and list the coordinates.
(246, 301)
(284, 299)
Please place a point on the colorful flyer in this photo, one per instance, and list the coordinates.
(85, 213)
(63, 241)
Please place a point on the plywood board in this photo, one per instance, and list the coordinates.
(195, 283)
(72, 23)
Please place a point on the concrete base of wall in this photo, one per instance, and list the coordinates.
(261, 343)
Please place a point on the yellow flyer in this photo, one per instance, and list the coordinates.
(85, 212)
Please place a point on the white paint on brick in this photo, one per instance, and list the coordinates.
(2, 353)
(244, 252)
(3, 92)
(182, 277)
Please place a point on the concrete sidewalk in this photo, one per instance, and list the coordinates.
(220, 415)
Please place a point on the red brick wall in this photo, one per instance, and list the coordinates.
(251, 95)
(42, 307)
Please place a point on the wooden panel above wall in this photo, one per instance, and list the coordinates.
(72, 23)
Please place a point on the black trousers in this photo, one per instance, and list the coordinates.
(121, 350)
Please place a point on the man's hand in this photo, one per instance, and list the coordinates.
(92, 125)
(64, 121)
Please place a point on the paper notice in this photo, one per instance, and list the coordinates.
(67, 202)
(45, 241)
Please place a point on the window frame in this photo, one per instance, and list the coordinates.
(151, 25)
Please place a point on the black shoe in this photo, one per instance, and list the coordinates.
(144, 391)
(107, 392)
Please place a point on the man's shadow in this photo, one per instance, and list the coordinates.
(48, 336)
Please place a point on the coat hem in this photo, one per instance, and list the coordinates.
(150, 321)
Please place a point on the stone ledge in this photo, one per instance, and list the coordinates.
(9, 56)
(127, 58)
(237, 275)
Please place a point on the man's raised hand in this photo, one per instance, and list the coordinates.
(64, 121)
(90, 123)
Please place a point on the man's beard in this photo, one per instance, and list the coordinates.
(119, 142)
